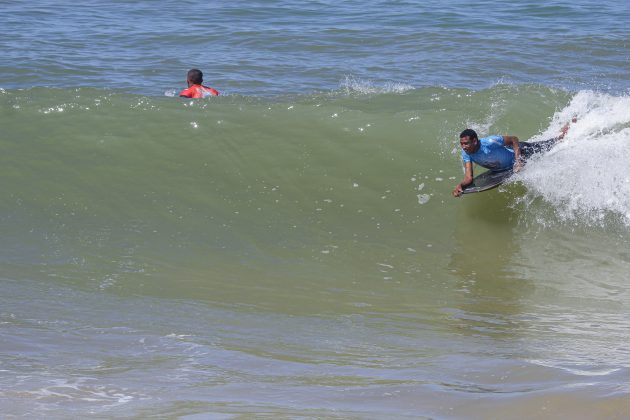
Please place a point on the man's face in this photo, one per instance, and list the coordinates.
(468, 144)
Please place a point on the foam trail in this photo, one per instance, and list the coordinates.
(586, 177)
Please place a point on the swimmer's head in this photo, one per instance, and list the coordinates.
(195, 77)
(468, 140)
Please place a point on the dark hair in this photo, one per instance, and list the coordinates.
(468, 133)
(195, 76)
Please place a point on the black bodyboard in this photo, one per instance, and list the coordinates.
(487, 181)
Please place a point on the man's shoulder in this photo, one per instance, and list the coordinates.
(492, 140)
(210, 90)
(188, 92)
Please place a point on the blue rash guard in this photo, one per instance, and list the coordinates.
(492, 154)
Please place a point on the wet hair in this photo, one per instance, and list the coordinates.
(468, 133)
(195, 76)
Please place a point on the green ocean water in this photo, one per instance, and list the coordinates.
(150, 184)
(303, 256)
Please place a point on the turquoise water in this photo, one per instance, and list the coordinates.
(291, 248)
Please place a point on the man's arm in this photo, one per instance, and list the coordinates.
(468, 179)
(513, 141)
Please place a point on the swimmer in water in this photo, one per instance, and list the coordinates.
(498, 153)
(195, 89)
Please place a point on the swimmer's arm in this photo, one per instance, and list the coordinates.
(468, 179)
(513, 141)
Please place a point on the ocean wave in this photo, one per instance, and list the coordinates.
(585, 177)
(90, 167)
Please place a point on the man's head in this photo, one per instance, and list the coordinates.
(194, 77)
(468, 140)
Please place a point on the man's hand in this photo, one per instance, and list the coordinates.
(468, 179)
(518, 165)
(458, 190)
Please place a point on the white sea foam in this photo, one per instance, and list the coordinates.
(586, 176)
(353, 85)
